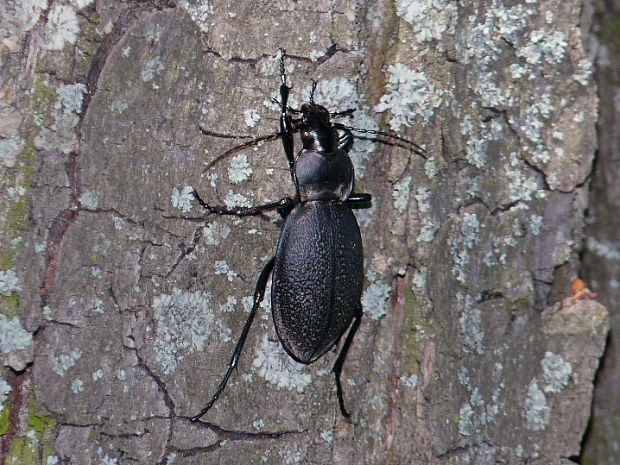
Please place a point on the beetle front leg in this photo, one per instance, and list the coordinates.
(345, 142)
(285, 204)
(341, 358)
(259, 293)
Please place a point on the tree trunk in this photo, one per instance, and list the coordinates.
(122, 300)
(601, 257)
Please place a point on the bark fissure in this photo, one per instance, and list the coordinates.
(19, 411)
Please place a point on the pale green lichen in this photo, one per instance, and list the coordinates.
(522, 184)
(376, 296)
(99, 306)
(214, 232)
(199, 11)
(252, 117)
(537, 410)
(151, 69)
(478, 137)
(431, 19)
(409, 95)
(77, 386)
(544, 46)
(89, 200)
(9, 282)
(184, 325)
(327, 436)
(239, 169)
(13, 336)
(536, 223)
(182, 199)
(428, 231)
(221, 267)
(273, 364)
(233, 200)
(430, 167)
(63, 362)
(18, 17)
(461, 241)
(5, 390)
(10, 148)
(469, 422)
(105, 459)
(410, 381)
(422, 196)
(556, 372)
(470, 325)
(62, 27)
(401, 194)
(58, 131)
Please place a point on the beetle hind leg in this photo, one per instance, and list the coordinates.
(259, 293)
(342, 357)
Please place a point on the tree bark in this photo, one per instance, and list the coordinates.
(601, 256)
(122, 300)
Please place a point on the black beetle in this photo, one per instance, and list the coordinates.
(318, 266)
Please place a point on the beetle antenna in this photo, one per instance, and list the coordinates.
(314, 84)
(291, 109)
(237, 148)
(416, 148)
(282, 67)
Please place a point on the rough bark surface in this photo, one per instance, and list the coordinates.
(601, 258)
(122, 301)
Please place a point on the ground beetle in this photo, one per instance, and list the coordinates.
(318, 267)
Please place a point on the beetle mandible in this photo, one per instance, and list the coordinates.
(318, 266)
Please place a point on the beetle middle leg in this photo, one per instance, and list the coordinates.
(359, 197)
(259, 293)
(283, 206)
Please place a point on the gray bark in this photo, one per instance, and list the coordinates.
(601, 256)
(122, 301)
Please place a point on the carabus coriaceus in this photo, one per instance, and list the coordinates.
(318, 266)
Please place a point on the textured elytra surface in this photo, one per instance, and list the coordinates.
(129, 299)
(317, 278)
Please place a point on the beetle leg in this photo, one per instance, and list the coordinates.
(287, 203)
(345, 142)
(259, 293)
(342, 356)
(358, 197)
(284, 210)
(342, 114)
(286, 121)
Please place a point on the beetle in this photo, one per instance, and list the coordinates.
(318, 265)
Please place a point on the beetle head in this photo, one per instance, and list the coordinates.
(317, 132)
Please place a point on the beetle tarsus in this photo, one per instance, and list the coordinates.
(341, 358)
